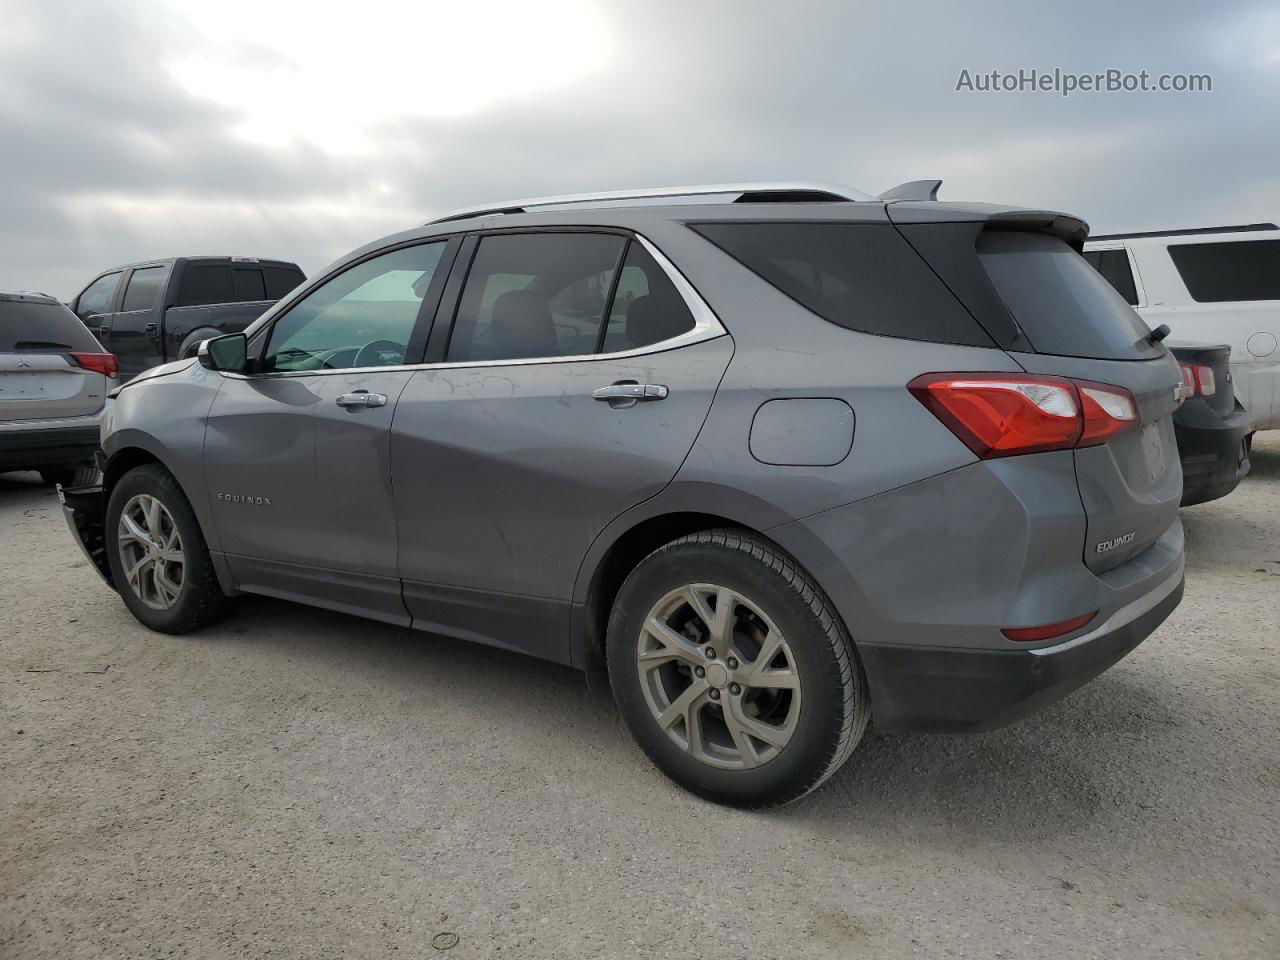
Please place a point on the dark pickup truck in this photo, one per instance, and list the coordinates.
(160, 310)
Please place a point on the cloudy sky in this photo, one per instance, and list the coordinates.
(148, 128)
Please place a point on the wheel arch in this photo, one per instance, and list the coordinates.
(679, 510)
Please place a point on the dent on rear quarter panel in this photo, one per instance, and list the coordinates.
(166, 415)
(949, 560)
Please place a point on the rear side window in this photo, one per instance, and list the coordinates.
(863, 276)
(143, 290)
(42, 328)
(206, 283)
(1061, 303)
(533, 295)
(281, 280)
(647, 308)
(249, 285)
(98, 296)
(1115, 269)
(1223, 272)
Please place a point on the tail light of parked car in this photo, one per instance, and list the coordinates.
(103, 363)
(1003, 415)
(1197, 380)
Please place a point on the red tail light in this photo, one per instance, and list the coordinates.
(1198, 380)
(1004, 414)
(103, 363)
(1049, 630)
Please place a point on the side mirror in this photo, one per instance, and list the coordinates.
(227, 353)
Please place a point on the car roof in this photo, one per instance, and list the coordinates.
(28, 296)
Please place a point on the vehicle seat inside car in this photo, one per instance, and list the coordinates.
(522, 326)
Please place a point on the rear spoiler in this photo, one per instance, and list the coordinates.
(912, 190)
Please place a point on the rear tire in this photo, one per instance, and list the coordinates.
(778, 702)
(158, 557)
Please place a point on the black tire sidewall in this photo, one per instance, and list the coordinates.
(194, 602)
(808, 756)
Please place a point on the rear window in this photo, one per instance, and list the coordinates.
(1223, 272)
(863, 276)
(1062, 304)
(42, 328)
(281, 280)
(1115, 269)
(206, 283)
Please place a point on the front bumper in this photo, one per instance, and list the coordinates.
(944, 689)
(84, 508)
(1214, 450)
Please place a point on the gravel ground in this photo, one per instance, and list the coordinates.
(295, 783)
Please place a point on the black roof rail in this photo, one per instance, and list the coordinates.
(1230, 228)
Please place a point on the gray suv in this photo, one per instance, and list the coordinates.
(779, 459)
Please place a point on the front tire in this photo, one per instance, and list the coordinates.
(733, 672)
(159, 561)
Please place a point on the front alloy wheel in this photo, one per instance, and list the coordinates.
(151, 552)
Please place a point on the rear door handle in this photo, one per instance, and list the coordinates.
(151, 329)
(362, 399)
(631, 391)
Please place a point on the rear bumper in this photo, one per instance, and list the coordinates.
(960, 690)
(48, 443)
(1213, 450)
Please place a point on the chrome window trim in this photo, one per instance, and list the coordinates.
(706, 326)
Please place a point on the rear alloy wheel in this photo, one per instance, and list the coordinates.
(718, 676)
(732, 670)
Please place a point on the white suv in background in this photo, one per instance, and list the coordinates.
(1210, 285)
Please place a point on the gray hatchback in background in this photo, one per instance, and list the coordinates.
(781, 459)
(54, 380)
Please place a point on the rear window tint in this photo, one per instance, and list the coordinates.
(1224, 272)
(143, 290)
(249, 285)
(281, 280)
(1115, 269)
(1061, 303)
(863, 276)
(43, 328)
(206, 283)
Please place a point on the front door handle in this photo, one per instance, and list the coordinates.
(631, 391)
(362, 399)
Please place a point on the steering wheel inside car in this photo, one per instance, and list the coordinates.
(379, 353)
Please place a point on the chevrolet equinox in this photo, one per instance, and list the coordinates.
(778, 459)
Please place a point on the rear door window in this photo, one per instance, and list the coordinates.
(863, 276)
(535, 295)
(27, 327)
(1227, 272)
(143, 290)
(1116, 270)
(1062, 304)
(98, 296)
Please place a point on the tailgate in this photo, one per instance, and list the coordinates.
(1218, 359)
(1131, 485)
(36, 386)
